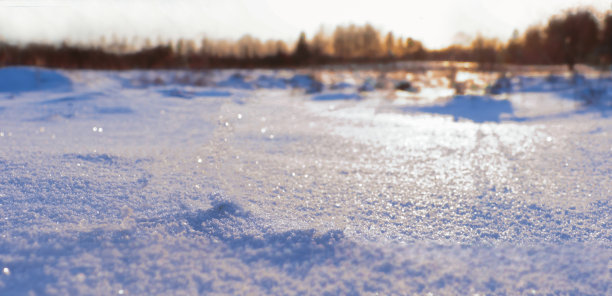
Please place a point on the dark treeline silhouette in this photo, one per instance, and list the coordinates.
(576, 36)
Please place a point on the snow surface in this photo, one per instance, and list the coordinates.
(187, 183)
(20, 79)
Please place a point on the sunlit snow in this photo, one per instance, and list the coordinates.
(273, 182)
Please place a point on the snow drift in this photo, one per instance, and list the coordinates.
(24, 79)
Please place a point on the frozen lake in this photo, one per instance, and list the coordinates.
(269, 182)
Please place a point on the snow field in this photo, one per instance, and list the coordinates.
(113, 183)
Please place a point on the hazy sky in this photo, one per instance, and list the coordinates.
(435, 22)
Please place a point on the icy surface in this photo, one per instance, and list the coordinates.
(148, 183)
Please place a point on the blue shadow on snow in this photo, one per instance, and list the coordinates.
(24, 79)
(475, 108)
(294, 250)
(336, 97)
(184, 94)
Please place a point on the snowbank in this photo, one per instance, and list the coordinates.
(23, 79)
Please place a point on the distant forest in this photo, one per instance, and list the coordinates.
(575, 36)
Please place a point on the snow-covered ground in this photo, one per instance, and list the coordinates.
(187, 183)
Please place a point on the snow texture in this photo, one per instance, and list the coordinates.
(270, 183)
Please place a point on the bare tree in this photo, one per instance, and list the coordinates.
(302, 50)
(571, 38)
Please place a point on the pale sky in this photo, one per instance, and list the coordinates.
(435, 22)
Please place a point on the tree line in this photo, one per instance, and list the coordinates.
(576, 36)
